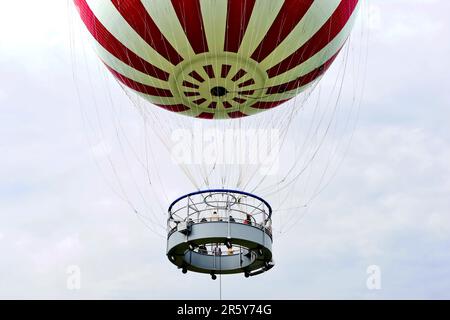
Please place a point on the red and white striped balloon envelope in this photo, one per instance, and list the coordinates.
(218, 59)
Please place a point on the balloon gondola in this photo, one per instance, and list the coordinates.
(220, 232)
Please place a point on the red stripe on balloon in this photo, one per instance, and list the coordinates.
(194, 74)
(227, 105)
(325, 35)
(238, 17)
(303, 80)
(239, 100)
(291, 13)
(199, 101)
(239, 75)
(209, 71)
(247, 83)
(192, 94)
(206, 115)
(268, 105)
(190, 85)
(134, 12)
(137, 86)
(225, 70)
(190, 16)
(237, 114)
(114, 46)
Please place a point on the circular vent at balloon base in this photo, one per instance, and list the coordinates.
(219, 86)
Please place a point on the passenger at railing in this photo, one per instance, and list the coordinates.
(203, 220)
(269, 227)
(248, 220)
(230, 251)
(231, 219)
(217, 251)
(202, 249)
(214, 216)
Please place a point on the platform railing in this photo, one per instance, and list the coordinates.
(266, 226)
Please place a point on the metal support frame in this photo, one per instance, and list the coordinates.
(220, 231)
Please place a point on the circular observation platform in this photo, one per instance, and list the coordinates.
(220, 232)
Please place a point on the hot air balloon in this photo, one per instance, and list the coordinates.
(219, 60)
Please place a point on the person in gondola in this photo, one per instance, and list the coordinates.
(217, 250)
(214, 217)
(202, 249)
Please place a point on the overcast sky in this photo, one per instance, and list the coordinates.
(389, 204)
